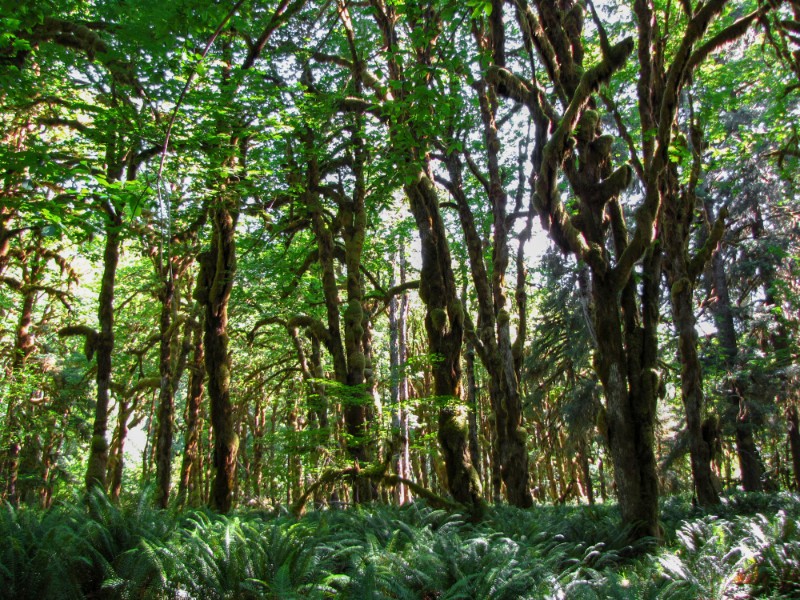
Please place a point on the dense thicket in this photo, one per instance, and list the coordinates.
(285, 253)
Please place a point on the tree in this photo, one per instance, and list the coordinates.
(625, 314)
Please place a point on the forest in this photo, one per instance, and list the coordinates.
(393, 299)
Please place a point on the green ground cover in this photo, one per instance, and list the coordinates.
(750, 548)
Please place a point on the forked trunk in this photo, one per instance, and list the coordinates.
(444, 323)
(630, 385)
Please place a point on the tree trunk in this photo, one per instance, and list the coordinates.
(472, 406)
(166, 396)
(750, 464)
(116, 461)
(98, 451)
(187, 492)
(349, 351)
(626, 369)
(586, 474)
(444, 323)
(793, 434)
(601, 475)
(493, 339)
(217, 268)
(398, 356)
(692, 390)
(23, 347)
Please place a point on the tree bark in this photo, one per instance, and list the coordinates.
(682, 272)
(625, 366)
(793, 433)
(98, 451)
(166, 396)
(398, 356)
(750, 465)
(692, 391)
(116, 462)
(217, 269)
(444, 323)
(493, 338)
(347, 351)
(444, 319)
(23, 347)
(187, 486)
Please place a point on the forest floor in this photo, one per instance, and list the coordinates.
(747, 548)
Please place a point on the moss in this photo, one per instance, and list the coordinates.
(318, 330)
(683, 284)
(224, 376)
(98, 443)
(602, 145)
(357, 361)
(602, 422)
(587, 125)
(457, 311)
(354, 312)
(455, 426)
(503, 318)
(438, 318)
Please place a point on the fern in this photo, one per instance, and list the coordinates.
(92, 548)
(773, 549)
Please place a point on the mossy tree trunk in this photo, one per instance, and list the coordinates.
(121, 163)
(217, 269)
(444, 318)
(166, 396)
(626, 354)
(626, 314)
(188, 492)
(23, 347)
(344, 334)
(683, 270)
(750, 465)
(104, 347)
(444, 324)
(173, 351)
(492, 340)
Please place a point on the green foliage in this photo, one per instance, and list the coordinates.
(91, 547)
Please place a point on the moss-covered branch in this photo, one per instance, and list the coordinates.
(376, 475)
(82, 330)
(703, 254)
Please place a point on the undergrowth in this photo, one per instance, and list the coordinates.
(748, 548)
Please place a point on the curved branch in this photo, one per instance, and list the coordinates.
(82, 330)
(378, 476)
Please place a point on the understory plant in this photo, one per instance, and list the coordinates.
(92, 548)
